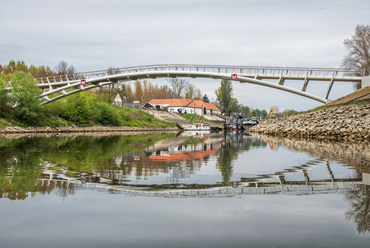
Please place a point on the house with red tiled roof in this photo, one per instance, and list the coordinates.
(184, 106)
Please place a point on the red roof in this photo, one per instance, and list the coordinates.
(184, 102)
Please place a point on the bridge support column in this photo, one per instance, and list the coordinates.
(365, 82)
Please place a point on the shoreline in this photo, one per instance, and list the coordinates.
(75, 129)
(341, 123)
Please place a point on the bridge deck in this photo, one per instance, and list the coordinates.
(245, 74)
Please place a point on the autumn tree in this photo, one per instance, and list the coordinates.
(35, 71)
(41, 71)
(138, 91)
(358, 58)
(14, 66)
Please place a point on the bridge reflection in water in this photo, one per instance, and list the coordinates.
(177, 167)
(168, 189)
(274, 183)
(179, 155)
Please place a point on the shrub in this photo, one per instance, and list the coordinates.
(108, 114)
(25, 95)
(78, 108)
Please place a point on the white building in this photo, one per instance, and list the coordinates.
(184, 105)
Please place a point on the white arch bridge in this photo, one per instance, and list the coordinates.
(57, 87)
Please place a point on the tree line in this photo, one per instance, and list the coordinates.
(23, 103)
(62, 68)
(143, 91)
(26, 106)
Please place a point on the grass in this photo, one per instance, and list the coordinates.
(195, 118)
(361, 96)
(5, 123)
(339, 105)
(129, 117)
(139, 118)
(72, 173)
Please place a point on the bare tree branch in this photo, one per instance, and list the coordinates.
(178, 85)
(358, 58)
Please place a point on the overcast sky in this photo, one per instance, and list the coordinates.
(96, 35)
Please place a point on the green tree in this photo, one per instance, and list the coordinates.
(4, 97)
(25, 95)
(358, 58)
(256, 113)
(289, 112)
(205, 98)
(235, 107)
(224, 94)
(264, 113)
(225, 162)
(246, 111)
(78, 108)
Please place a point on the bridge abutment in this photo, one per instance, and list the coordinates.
(365, 82)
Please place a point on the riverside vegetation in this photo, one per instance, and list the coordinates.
(22, 107)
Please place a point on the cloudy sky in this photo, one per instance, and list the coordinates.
(95, 35)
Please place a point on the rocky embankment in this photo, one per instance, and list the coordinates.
(343, 123)
(9, 130)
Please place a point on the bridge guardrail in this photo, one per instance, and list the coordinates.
(245, 70)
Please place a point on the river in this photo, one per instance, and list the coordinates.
(182, 190)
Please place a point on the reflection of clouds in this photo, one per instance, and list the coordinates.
(228, 222)
(290, 206)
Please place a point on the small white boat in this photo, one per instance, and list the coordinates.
(200, 126)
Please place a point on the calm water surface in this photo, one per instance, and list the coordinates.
(187, 190)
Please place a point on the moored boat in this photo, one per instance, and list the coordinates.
(200, 126)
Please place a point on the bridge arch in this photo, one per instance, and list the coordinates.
(252, 75)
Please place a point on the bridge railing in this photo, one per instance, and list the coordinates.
(244, 70)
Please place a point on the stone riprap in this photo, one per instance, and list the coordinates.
(350, 122)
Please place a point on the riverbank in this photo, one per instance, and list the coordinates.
(70, 129)
(341, 123)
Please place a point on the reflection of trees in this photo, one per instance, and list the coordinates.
(19, 170)
(235, 144)
(360, 212)
(21, 159)
(224, 162)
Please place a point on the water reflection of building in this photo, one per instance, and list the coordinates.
(175, 155)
